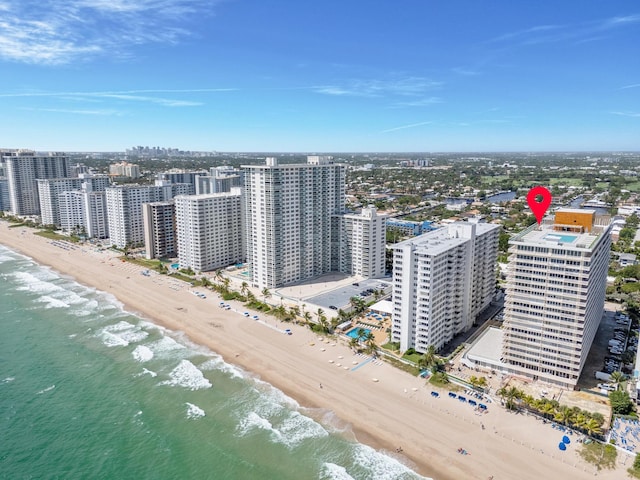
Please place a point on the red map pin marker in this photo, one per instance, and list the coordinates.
(539, 208)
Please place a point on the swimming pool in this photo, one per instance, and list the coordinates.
(353, 333)
(175, 266)
(554, 237)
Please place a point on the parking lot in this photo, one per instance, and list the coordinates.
(340, 297)
(599, 353)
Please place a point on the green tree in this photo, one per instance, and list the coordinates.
(244, 288)
(620, 402)
(265, 294)
(618, 379)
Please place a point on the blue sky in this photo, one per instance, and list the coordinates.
(321, 75)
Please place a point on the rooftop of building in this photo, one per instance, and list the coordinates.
(443, 239)
(577, 235)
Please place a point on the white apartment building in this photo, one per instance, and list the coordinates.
(49, 191)
(160, 229)
(441, 281)
(84, 211)
(288, 210)
(124, 211)
(209, 230)
(359, 242)
(5, 202)
(124, 169)
(23, 168)
(556, 282)
(95, 211)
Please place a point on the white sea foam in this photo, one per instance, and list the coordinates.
(121, 334)
(8, 380)
(380, 465)
(194, 411)
(187, 375)
(48, 389)
(147, 372)
(51, 302)
(142, 354)
(217, 363)
(111, 340)
(166, 345)
(296, 428)
(290, 431)
(331, 471)
(253, 421)
(36, 282)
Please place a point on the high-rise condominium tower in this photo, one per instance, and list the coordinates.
(556, 282)
(209, 230)
(288, 211)
(441, 281)
(23, 168)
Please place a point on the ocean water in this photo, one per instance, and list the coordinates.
(88, 390)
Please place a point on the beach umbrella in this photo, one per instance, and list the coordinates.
(562, 446)
(566, 440)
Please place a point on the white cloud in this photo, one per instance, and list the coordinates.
(105, 112)
(123, 96)
(61, 31)
(627, 114)
(421, 102)
(407, 86)
(403, 127)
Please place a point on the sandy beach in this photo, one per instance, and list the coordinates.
(395, 410)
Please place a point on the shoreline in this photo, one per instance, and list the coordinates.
(395, 411)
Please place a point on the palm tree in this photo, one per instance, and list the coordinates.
(618, 379)
(251, 298)
(353, 343)
(294, 312)
(322, 321)
(563, 415)
(244, 288)
(591, 427)
(307, 317)
(280, 312)
(429, 359)
(225, 284)
(265, 294)
(370, 343)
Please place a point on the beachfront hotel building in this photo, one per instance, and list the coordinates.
(359, 242)
(288, 214)
(5, 203)
(442, 280)
(160, 229)
(555, 293)
(124, 211)
(23, 169)
(209, 230)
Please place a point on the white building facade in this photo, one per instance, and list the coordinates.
(209, 230)
(23, 168)
(359, 242)
(288, 210)
(555, 293)
(160, 229)
(124, 211)
(441, 281)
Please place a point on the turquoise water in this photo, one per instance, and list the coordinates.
(555, 237)
(175, 266)
(88, 390)
(354, 332)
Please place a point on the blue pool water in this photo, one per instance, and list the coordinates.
(175, 265)
(554, 237)
(353, 333)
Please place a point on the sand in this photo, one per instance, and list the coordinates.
(395, 410)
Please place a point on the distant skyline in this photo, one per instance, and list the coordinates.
(327, 76)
